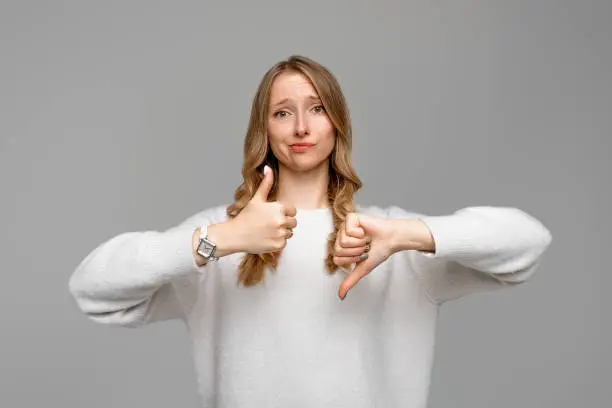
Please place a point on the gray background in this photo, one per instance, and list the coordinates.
(111, 112)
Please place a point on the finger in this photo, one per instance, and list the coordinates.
(345, 241)
(352, 226)
(266, 185)
(290, 222)
(356, 251)
(290, 210)
(351, 280)
(288, 233)
(348, 260)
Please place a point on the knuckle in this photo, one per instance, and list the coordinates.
(343, 240)
(280, 242)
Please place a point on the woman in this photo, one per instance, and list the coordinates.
(256, 281)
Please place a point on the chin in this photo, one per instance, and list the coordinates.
(306, 166)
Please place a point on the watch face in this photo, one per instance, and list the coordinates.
(205, 249)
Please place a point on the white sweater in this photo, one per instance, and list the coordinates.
(291, 342)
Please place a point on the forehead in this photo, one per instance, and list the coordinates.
(291, 85)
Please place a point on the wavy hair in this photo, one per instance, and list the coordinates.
(343, 180)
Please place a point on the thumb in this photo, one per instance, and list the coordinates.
(366, 222)
(353, 226)
(361, 270)
(266, 185)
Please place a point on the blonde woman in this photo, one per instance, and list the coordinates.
(262, 283)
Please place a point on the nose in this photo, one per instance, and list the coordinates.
(301, 126)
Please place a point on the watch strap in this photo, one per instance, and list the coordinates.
(204, 237)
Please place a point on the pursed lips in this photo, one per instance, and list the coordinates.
(301, 147)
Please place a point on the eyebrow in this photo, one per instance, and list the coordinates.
(285, 100)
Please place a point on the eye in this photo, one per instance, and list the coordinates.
(319, 109)
(281, 114)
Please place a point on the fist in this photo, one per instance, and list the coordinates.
(365, 241)
(265, 226)
(352, 245)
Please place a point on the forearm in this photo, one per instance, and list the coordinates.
(491, 239)
(128, 269)
(412, 235)
(474, 249)
(226, 237)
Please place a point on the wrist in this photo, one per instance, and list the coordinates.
(411, 234)
(221, 234)
(225, 237)
(195, 241)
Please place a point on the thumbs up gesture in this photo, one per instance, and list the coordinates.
(265, 226)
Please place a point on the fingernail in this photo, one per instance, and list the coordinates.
(368, 240)
(363, 256)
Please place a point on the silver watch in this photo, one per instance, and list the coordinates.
(206, 247)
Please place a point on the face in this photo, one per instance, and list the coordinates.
(300, 133)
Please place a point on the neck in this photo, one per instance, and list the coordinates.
(304, 190)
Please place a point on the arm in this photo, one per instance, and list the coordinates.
(223, 235)
(132, 278)
(474, 249)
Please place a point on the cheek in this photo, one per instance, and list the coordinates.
(279, 131)
(323, 124)
(274, 146)
(276, 136)
(326, 131)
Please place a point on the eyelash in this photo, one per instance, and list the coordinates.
(276, 114)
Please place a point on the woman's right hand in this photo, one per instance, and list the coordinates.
(264, 226)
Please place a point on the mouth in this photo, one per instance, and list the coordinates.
(301, 147)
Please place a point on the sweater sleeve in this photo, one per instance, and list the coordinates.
(477, 249)
(135, 278)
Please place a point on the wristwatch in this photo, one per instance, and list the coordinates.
(206, 247)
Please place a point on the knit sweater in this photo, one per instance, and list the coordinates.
(290, 341)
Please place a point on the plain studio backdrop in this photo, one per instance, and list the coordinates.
(130, 115)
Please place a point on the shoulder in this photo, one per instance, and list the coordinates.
(389, 211)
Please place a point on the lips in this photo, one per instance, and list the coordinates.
(301, 147)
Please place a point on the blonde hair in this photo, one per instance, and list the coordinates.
(343, 180)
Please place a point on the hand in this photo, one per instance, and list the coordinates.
(366, 241)
(264, 226)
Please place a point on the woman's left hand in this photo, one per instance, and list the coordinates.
(366, 241)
